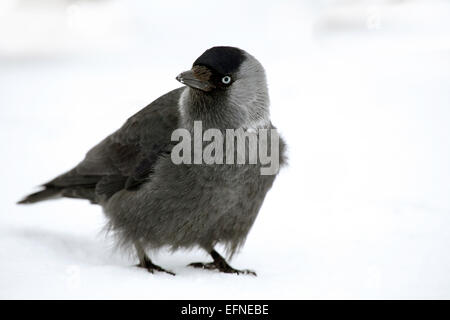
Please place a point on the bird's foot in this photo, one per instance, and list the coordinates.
(221, 266)
(151, 267)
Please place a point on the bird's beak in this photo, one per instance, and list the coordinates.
(195, 80)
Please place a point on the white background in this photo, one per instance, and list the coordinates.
(359, 89)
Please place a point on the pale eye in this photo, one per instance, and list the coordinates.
(226, 80)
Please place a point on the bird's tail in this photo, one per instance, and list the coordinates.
(46, 194)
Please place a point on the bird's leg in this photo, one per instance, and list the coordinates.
(146, 263)
(220, 264)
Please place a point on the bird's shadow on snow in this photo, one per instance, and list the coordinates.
(93, 251)
(73, 248)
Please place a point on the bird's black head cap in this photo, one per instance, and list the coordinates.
(224, 60)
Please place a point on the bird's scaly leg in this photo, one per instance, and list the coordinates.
(220, 264)
(146, 263)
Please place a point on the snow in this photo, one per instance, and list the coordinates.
(358, 89)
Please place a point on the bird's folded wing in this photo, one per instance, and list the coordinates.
(125, 158)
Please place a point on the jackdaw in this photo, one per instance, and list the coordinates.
(150, 201)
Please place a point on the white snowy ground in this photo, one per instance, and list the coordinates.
(360, 90)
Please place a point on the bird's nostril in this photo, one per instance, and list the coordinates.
(179, 78)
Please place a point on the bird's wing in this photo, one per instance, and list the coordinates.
(126, 158)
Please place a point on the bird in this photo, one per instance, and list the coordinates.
(149, 201)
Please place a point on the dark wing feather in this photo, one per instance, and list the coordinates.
(125, 158)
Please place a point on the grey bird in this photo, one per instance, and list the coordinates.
(149, 201)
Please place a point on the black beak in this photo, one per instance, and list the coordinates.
(188, 78)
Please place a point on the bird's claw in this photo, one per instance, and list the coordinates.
(153, 267)
(220, 267)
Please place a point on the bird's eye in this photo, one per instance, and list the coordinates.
(226, 80)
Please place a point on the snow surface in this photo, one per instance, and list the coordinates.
(359, 89)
